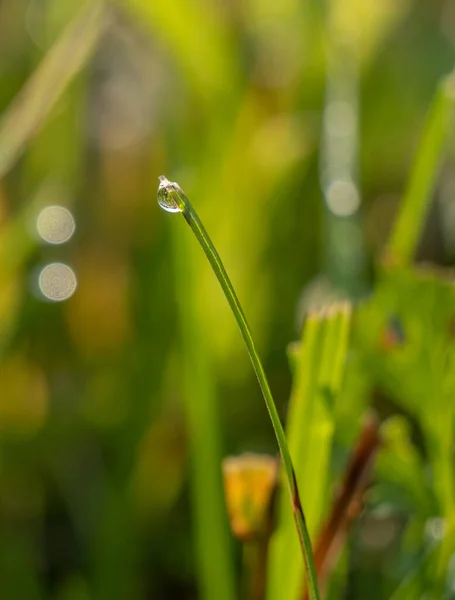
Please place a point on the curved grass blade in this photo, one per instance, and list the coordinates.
(172, 199)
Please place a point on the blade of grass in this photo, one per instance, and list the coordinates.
(283, 545)
(215, 569)
(349, 501)
(66, 57)
(399, 463)
(208, 67)
(403, 241)
(172, 199)
(309, 428)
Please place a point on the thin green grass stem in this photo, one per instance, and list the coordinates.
(405, 236)
(172, 199)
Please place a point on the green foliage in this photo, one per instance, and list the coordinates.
(118, 405)
(310, 431)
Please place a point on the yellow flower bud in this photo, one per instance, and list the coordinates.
(249, 482)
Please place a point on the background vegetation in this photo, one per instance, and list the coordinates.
(315, 140)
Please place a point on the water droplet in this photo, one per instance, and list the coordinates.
(55, 224)
(165, 196)
(57, 282)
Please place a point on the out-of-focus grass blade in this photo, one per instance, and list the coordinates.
(400, 464)
(66, 57)
(416, 584)
(348, 503)
(206, 61)
(210, 528)
(284, 554)
(310, 426)
(408, 226)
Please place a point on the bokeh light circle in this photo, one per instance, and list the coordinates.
(55, 224)
(343, 198)
(57, 282)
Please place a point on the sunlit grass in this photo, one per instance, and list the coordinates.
(93, 503)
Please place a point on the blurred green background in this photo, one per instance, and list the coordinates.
(292, 126)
